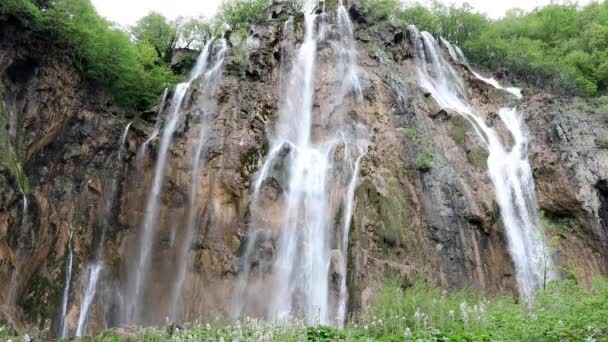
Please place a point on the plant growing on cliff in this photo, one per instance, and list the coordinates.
(243, 13)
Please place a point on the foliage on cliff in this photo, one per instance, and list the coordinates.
(561, 46)
(105, 53)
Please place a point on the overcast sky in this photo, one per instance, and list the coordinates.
(126, 12)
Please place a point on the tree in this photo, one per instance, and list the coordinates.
(155, 30)
(194, 32)
(239, 14)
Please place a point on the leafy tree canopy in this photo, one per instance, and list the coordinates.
(562, 47)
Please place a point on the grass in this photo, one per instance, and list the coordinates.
(563, 312)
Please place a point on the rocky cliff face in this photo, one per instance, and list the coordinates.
(425, 206)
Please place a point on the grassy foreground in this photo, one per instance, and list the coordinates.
(562, 312)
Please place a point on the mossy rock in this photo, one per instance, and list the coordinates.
(392, 209)
(601, 142)
(478, 157)
(459, 129)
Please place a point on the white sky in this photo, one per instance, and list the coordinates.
(126, 12)
(497, 8)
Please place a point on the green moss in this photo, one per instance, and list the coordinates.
(410, 133)
(601, 142)
(459, 129)
(10, 159)
(457, 134)
(393, 211)
(424, 162)
(478, 157)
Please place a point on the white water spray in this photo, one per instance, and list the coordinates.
(93, 270)
(141, 152)
(210, 84)
(149, 226)
(309, 232)
(86, 299)
(459, 57)
(66, 290)
(509, 168)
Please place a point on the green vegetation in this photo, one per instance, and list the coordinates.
(103, 52)
(562, 312)
(134, 63)
(10, 158)
(425, 160)
(239, 14)
(478, 157)
(393, 212)
(561, 46)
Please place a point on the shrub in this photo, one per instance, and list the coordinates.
(424, 162)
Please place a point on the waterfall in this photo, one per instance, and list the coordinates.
(508, 167)
(350, 84)
(210, 85)
(310, 232)
(141, 152)
(93, 270)
(66, 290)
(458, 57)
(493, 82)
(87, 297)
(149, 226)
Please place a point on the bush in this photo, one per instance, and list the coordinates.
(424, 162)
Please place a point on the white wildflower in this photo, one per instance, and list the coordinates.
(407, 333)
(464, 312)
(533, 316)
(452, 314)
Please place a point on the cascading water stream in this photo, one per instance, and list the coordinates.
(509, 169)
(66, 290)
(141, 152)
(350, 84)
(311, 227)
(94, 270)
(92, 277)
(210, 84)
(148, 229)
(459, 57)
